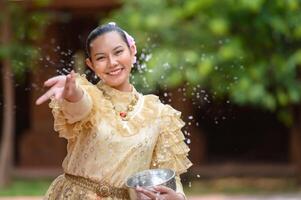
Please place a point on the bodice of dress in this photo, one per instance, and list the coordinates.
(103, 147)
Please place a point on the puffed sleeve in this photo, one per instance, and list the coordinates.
(170, 150)
(70, 119)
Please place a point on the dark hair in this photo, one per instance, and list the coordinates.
(100, 30)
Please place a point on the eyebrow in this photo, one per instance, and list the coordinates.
(113, 50)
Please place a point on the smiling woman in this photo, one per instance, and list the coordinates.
(111, 58)
(113, 131)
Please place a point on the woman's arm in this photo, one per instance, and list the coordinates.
(76, 111)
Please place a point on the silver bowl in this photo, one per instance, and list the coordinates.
(150, 178)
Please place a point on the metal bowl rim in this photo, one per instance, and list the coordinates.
(158, 169)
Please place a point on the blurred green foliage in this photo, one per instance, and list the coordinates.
(26, 187)
(246, 51)
(27, 27)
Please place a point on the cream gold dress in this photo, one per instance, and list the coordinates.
(103, 147)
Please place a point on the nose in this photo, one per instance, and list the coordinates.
(112, 61)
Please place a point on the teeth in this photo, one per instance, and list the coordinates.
(115, 72)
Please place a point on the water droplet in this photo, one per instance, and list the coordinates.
(188, 141)
(166, 66)
(198, 176)
(190, 117)
(148, 57)
(66, 70)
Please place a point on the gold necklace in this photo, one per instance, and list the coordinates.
(123, 114)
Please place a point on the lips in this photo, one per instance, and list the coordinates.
(115, 72)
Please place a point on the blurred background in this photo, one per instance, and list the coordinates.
(231, 67)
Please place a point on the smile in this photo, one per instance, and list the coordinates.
(115, 72)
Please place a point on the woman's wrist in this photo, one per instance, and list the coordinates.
(72, 91)
(76, 96)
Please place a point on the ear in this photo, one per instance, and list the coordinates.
(133, 51)
(89, 63)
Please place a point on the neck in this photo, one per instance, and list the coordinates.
(124, 87)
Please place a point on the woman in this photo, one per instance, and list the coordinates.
(112, 130)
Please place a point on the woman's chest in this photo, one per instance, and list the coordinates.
(111, 138)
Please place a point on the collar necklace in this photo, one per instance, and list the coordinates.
(123, 114)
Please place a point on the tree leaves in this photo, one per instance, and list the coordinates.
(27, 27)
(248, 51)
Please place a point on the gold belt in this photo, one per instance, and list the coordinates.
(102, 189)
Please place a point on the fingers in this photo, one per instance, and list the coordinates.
(163, 189)
(149, 193)
(50, 82)
(57, 84)
(40, 100)
(45, 97)
(59, 93)
(51, 92)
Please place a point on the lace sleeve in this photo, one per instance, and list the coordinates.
(171, 151)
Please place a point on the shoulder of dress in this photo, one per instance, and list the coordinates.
(152, 98)
(153, 101)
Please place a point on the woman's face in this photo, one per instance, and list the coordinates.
(111, 59)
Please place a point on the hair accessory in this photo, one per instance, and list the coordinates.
(112, 23)
(131, 42)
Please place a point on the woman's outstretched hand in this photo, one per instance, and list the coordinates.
(61, 87)
(159, 193)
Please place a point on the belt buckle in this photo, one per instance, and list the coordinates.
(103, 190)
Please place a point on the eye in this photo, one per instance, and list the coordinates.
(100, 58)
(119, 52)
